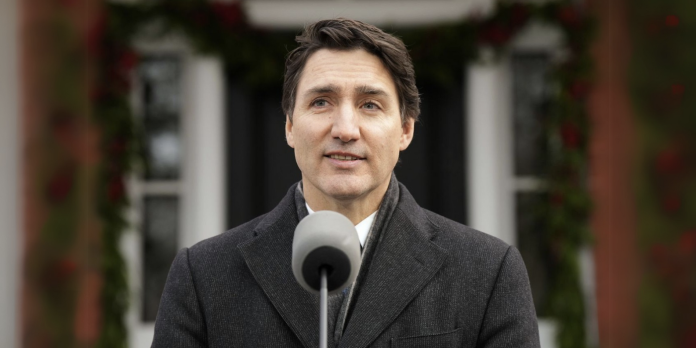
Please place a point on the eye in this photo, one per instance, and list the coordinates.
(370, 106)
(320, 103)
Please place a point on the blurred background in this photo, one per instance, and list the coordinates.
(130, 129)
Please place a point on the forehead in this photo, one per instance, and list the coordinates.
(346, 69)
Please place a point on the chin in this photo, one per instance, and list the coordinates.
(344, 189)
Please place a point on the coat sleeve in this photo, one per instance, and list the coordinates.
(180, 321)
(510, 319)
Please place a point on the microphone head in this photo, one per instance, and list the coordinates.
(325, 239)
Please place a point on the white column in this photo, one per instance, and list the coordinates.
(10, 202)
(203, 189)
(489, 150)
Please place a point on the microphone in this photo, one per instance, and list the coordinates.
(325, 239)
(325, 258)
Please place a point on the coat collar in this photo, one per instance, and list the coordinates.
(404, 262)
(269, 258)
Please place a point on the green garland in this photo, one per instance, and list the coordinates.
(439, 53)
(662, 78)
(109, 44)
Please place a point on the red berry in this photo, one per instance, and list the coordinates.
(671, 21)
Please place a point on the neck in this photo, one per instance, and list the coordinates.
(356, 209)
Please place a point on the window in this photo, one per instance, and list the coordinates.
(530, 94)
(159, 78)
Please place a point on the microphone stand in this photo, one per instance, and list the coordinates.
(323, 300)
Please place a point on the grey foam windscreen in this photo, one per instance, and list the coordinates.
(325, 239)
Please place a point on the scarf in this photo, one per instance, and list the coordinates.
(340, 304)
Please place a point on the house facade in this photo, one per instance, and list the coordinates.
(215, 157)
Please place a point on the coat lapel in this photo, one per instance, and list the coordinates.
(269, 258)
(404, 262)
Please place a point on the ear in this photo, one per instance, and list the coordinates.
(407, 135)
(288, 132)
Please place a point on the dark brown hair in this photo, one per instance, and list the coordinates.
(348, 34)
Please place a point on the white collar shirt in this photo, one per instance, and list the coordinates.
(363, 227)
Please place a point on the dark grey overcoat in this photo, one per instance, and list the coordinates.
(432, 283)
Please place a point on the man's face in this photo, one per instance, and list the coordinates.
(346, 105)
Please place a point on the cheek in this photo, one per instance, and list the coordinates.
(305, 142)
(389, 145)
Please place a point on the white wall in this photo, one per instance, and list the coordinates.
(9, 179)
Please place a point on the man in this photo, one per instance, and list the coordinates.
(351, 103)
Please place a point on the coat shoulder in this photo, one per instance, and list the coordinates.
(225, 243)
(466, 244)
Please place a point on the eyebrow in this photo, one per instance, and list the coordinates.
(332, 88)
(369, 90)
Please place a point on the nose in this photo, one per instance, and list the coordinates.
(345, 126)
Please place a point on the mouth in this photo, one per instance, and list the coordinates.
(344, 157)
